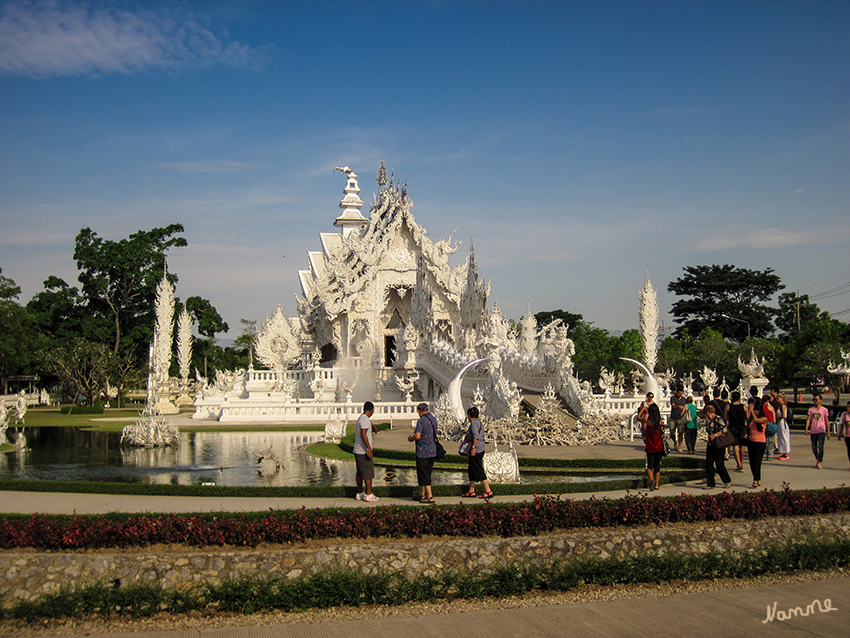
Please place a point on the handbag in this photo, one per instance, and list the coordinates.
(441, 451)
(771, 429)
(724, 440)
(464, 448)
(666, 445)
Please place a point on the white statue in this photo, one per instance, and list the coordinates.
(184, 347)
(407, 384)
(278, 343)
(754, 369)
(648, 316)
(842, 369)
(4, 419)
(709, 377)
(20, 407)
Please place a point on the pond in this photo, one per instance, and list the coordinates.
(220, 458)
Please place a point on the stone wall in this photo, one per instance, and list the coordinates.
(26, 574)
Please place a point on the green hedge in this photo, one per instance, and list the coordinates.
(337, 588)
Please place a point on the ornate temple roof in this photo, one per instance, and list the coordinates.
(350, 260)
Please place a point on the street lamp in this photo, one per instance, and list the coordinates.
(741, 320)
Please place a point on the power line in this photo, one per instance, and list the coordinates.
(833, 292)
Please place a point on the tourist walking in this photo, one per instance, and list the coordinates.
(691, 426)
(714, 456)
(678, 417)
(653, 431)
(363, 457)
(817, 426)
(474, 440)
(756, 439)
(770, 428)
(736, 419)
(425, 436)
(783, 432)
(844, 429)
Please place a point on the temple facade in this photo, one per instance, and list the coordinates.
(384, 316)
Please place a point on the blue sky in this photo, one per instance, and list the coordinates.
(577, 143)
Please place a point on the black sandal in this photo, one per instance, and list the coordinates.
(468, 495)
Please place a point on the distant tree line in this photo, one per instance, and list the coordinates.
(725, 312)
(98, 333)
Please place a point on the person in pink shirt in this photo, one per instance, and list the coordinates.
(817, 426)
(756, 440)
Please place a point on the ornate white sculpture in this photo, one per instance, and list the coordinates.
(334, 430)
(184, 347)
(163, 329)
(648, 316)
(21, 407)
(709, 377)
(278, 343)
(407, 384)
(842, 369)
(754, 369)
(4, 419)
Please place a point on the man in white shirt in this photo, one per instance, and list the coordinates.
(363, 453)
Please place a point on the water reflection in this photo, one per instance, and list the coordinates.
(220, 458)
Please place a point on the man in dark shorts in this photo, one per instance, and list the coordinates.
(678, 417)
(426, 451)
(363, 454)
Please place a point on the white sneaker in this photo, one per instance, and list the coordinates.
(360, 496)
(370, 498)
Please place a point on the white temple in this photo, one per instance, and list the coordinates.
(384, 316)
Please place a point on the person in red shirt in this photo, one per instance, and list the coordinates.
(650, 416)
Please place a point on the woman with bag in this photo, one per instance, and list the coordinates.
(650, 416)
(756, 439)
(714, 456)
(473, 447)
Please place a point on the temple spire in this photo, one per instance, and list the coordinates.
(351, 204)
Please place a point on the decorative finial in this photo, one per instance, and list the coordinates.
(381, 178)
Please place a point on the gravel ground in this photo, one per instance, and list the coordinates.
(168, 622)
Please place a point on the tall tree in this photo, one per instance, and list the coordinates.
(795, 311)
(17, 337)
(726, 298)
(209, 323)
(119, 280)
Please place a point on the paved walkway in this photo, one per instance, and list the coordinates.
(754, 612)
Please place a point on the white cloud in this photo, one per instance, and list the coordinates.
(55, 38)
(767, 238)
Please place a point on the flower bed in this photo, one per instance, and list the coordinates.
(543, 514)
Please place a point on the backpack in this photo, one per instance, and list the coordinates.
(789, 415)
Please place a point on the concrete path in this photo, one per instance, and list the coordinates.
(820, 608)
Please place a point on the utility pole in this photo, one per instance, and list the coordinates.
(798, 310)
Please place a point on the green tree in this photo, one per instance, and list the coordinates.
(803, 360)
(729, 299)
(83, 366)
(18, 338)
(119, 280)
(208, 323)
(795, 311)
